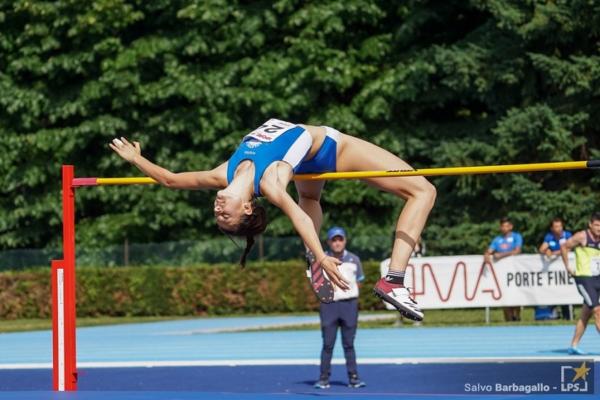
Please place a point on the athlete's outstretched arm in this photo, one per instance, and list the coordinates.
(213, 179)
(306, 229)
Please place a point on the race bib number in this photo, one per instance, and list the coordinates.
(595, 266)
(270, 130)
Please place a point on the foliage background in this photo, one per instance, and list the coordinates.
(440, 83)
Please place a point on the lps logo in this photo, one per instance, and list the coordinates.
(574, 379)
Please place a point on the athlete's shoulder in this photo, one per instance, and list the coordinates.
(579, 237)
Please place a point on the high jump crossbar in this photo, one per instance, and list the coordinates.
(485, 169)
(64, 360)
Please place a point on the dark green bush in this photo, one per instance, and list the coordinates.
(275, 287)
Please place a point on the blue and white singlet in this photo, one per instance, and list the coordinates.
(277, 140)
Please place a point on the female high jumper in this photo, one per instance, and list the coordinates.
(264, 164)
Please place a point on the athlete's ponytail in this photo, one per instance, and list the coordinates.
(249, 244)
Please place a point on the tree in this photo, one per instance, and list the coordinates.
(440, 83)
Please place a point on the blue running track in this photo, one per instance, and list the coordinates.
(215, 358)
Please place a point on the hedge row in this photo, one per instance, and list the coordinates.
(275, 287)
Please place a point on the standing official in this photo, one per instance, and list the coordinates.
(342, 312)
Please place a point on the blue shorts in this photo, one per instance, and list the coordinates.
(325, 159)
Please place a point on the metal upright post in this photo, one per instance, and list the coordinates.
(63, 295)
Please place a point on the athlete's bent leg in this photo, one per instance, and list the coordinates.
(358, 155)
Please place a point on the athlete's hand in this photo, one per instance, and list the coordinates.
(330, 265)
(127, 151)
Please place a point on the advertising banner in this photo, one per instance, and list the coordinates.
(466, 281)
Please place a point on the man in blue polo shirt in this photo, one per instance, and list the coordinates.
(342, 312)
(554, 238)
(507, 244)
(550, 247)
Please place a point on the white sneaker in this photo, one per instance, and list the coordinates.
(399, 297)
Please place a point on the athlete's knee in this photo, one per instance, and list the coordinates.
(431, 191)
(425, 192)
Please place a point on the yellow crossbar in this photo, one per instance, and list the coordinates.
(485, 169)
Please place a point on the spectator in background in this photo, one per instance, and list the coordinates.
(555, 238)
(507, 244)
(342, 312)
(550, 247)
(586, 244)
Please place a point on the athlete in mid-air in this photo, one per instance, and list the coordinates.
(264, 164)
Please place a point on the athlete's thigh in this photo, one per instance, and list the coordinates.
(360, 155)
(586, 312)
(310, 189)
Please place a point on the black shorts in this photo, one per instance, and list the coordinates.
(589, 289)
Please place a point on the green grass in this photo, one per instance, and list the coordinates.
(470, 317)
(447, 318)
(454, 317)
